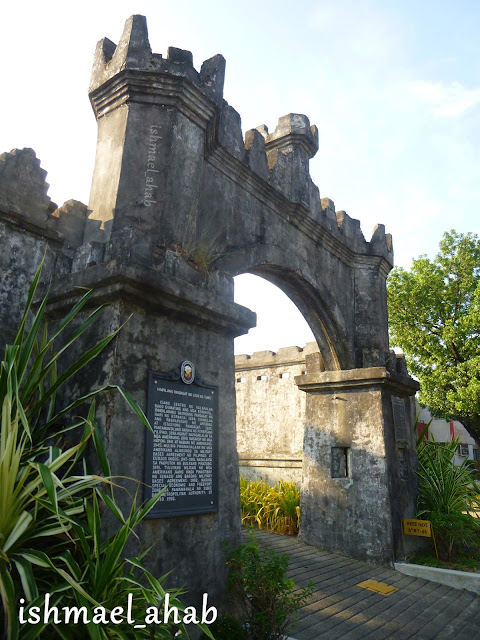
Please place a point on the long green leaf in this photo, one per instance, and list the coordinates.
(28, 345)
(134, 406)
(25, 572)
(21, 526)
(38, 370)
(79, 401)
(100, 450)
(148, 506)
(35, 557)
(87, 357)
(111, 504)
(73, 583)
(47, 477)
(7, 592)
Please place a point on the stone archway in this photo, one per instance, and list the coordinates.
(314, 301)
(180, 203)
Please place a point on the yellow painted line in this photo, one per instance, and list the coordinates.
(377, 587)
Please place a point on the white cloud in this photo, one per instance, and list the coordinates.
(448, 100)
(360, 31)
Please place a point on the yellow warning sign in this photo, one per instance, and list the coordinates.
(377, 587)
(413, 527)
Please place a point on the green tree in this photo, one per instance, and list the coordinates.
(434, 314)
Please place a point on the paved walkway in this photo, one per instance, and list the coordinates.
(339, 609)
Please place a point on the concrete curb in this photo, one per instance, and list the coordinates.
(454, 579)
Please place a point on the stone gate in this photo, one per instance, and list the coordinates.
(180, 203)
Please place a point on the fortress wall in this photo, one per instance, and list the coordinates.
(271, 413)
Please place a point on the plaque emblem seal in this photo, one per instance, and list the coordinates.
(187, 372)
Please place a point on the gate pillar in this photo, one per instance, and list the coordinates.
(359, 460)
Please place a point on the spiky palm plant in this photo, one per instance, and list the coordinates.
(447, 494)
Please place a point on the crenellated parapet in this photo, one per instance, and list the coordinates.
(174, 171)
(133, 53)
(23, 187)
(25, 204)
(292, 134)
(69, 220)
(130, 72)
(288, 150)
(271, 166)
(268, 359)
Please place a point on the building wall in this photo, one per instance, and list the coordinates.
(271, 413)
(445, 430)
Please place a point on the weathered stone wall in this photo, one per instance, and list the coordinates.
(332, 442)
(32, 229)
(359, 459)
(271, 413)
(173, 169)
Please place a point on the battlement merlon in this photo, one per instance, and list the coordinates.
(133, 53)
(292, 130)
(289, 149)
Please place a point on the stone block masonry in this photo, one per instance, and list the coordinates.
(285, 434)
(180, 203)
(271, 413)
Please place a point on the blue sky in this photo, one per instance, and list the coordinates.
(393, 87)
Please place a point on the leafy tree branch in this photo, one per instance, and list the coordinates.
(434, 315)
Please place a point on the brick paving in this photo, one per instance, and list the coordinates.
(339, 610)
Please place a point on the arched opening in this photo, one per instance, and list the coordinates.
(279, 322)
(310, 293)
(270, 409)
(324, 432)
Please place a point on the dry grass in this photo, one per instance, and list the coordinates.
(269, 508)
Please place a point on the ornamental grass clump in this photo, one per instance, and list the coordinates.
(51, 545)
(270, 508)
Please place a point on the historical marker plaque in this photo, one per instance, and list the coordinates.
(181, 454)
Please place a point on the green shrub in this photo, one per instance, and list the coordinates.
(274, 509)
(261, 589)
(454, 533)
